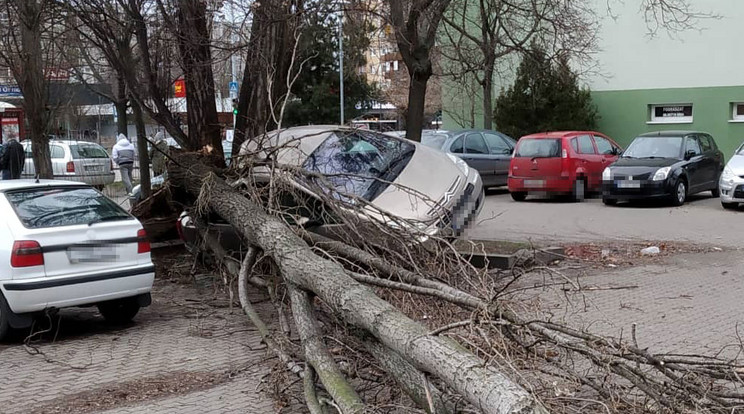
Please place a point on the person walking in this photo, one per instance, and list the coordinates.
(12, 160)
(123, 156)
(158, 153)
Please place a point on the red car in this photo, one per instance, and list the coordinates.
(567, 162)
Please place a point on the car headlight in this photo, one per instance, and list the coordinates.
(461, 165)
(727, 174)
(607, 174)
(662, 174)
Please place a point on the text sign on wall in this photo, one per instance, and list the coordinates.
(10, 91)
(672, 111)
(179, 88)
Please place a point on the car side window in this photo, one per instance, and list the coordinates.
(585, 144)
(57, 151)
(604, 146)
(691, 144)
(706, 143)
(456, 147)
(575, 145)
(474, 144)
(496, 144)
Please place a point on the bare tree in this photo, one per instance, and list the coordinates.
(416, 23)
(27, 48)
(480, 34)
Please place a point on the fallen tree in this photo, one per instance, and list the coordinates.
(488, 349)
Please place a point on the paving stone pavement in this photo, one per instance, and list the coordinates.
(690, 303)
(177, 334)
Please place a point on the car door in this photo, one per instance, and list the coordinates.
(712, 162)
(500, 151)
(476, 154)
(589, 161)
(694, 166)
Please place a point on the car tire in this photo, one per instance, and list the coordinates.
(4, 323)
(716, 192)
(609, 201)
(679, 193)
(729, 206)
(579, 190)
(119, 311)
(518, 195)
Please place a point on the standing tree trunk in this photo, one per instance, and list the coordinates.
(144, 158)
(29, 73)
(121, 104)
(194, 44)
(488, 96)
(416, 103)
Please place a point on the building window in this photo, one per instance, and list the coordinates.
(737, 111)
(671, 114)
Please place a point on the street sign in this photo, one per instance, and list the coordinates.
(179, 88)
(233, 90)
(10, 91)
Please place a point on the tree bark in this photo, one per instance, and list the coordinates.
(481, 384)
(416, 103)
(144, 157)
(194, 44)
(488, 96)
(121, 104)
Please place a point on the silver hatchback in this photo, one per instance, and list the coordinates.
(80, 161)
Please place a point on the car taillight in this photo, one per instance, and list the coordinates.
(26, 253)
(143, 245)
(70, 167)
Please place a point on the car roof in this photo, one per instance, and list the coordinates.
(672, 133)
(66, 142)
(6, 185)
(560, 134)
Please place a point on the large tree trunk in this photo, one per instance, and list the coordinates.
(481, 384)
(488, 97)
(416, 103)
(194, 44)
(29, 73)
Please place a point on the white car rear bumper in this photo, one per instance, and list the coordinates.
(33, 295)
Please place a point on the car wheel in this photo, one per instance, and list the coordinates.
(729, 206)
(609, 201)
(518, 196)
(679, 195)
(119, 311)
(579, 190)
(4, 324)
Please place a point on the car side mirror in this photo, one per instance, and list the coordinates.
(616, 151)
(689, 154)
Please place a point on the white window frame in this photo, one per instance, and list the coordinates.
(734, 116)
(669, 120)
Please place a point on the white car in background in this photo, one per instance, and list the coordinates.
(80, 161)
(731, 183)
(65, 244)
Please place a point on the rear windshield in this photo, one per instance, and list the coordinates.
(360, 163)
(538, 148)
(87, 151)
(433, 140)
(68, 206)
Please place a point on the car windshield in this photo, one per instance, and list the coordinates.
(359, 163)
(87, 151)
(63, 206)
(538, 148)
(654, 147)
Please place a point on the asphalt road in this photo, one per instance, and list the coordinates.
(700, 220)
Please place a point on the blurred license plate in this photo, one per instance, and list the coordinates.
(628, 184)
(94, 168)
(91, 253)
(534, 183)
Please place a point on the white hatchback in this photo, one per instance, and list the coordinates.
(65, 244)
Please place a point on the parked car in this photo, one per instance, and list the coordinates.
(668, 164)
(486, 151)
(732, 180)
(375, 167)
(65, 244)
(80, 161)
(566, 162)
